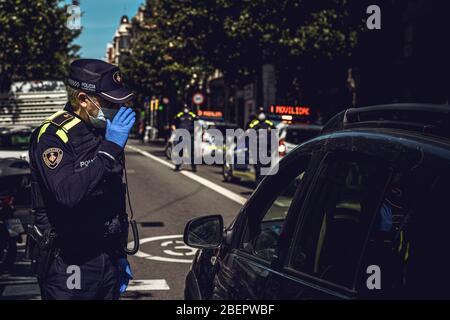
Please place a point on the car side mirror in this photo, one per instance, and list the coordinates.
(204, 232)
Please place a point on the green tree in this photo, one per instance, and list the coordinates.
(168, 51)
(190, 37)
(35, 43)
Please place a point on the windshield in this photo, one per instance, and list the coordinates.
(300, 136)
(15, 141)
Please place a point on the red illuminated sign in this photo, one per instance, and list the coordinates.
(210, 114)
(291, 110)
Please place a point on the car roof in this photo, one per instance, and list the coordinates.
(422, 119)
(312, 127)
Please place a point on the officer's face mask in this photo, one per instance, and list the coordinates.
(102, 115)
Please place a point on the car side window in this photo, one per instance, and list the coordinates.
(337, 218)
(265, 228)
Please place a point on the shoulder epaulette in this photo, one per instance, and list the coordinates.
(61, 119)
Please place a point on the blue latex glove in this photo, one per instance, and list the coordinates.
(124, 274)
(386, 217)
(118, 129)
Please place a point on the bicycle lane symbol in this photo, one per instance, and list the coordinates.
(170, 249)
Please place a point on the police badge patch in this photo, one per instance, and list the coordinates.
(52, 157)
(117, 77)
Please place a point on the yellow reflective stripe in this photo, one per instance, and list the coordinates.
(253, 123)
(192, 114)
(407, 252)
(179, 114)
(56, 114)
(269, 122)
(42, 130)
(63, 131)
(71, 123)
(62, 135)
(400, 246)
(53, 116)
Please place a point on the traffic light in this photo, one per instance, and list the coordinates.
(161, 107)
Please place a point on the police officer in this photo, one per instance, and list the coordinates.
(185, 120)
(261, 123)
(77, 161)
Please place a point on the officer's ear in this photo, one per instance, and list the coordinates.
(83, 101)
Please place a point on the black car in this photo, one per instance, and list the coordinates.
(15, 179)
(361, 211)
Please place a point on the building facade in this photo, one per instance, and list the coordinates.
(119, 47)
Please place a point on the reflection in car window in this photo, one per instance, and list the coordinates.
(389, 242)
(263, 242)
(337, 220)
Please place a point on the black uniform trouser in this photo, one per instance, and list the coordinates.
(191, 153)
(259, 165)
(99, 279)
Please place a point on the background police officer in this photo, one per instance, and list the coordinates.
(77, 161)
(185, 120)
(261, 123)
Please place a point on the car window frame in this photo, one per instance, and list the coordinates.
(311, 280)
(242, 225)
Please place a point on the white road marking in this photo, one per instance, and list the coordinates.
(144, 255)
(211, 185)
(149, 155)
(148, 285)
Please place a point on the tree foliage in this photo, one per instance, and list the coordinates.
(34, 41)
(186, 37)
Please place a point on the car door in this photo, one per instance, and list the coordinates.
(244, 269)
(331, 230)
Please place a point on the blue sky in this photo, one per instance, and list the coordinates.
(99, 21)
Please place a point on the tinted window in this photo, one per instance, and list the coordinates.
(297, 136)
(265, 227)
(337, 218)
